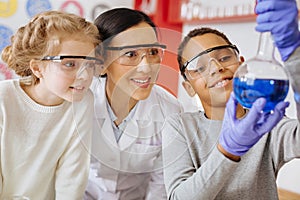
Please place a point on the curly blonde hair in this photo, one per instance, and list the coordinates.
(42, 36)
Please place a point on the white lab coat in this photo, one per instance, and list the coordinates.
(131, 168)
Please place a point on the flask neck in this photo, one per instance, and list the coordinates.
(266, 46)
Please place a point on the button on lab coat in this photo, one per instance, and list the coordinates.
(131, 168)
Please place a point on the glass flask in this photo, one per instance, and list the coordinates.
(261, 76)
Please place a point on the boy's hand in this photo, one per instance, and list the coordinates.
(239, 135)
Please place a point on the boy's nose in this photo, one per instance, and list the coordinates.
(215, 66)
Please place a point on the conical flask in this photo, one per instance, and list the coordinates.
(261, 76)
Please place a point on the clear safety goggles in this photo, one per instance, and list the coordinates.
(199, 66)
(73, 66)
(133, 55)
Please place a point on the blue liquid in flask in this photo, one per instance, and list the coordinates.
(248, 90)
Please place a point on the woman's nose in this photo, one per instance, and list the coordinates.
(144, 65)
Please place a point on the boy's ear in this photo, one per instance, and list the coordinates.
(189, 88)
(242, 59)
(36, 68)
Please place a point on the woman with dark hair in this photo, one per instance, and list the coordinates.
(130, 110)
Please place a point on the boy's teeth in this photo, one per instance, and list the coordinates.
(221, 83)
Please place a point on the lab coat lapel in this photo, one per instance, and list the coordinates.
(104, 142)
(107, 132)
(103, 129)
(129, 135)
(104, 145)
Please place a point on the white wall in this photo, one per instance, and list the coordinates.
(246, 38)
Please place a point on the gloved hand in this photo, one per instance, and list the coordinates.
(239, 135)
(280, 17)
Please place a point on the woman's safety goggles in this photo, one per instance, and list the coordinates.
(133, 55)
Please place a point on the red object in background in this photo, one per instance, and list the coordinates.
(170, 34)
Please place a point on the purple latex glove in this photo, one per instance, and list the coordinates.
(239, 135)
(280, 17)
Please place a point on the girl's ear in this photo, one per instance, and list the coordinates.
(188, 88)
(36, 68)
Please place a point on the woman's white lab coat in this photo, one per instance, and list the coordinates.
(131, 168)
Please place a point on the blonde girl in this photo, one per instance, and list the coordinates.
(46, 114)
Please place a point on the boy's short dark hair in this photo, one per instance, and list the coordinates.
(191, 34)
